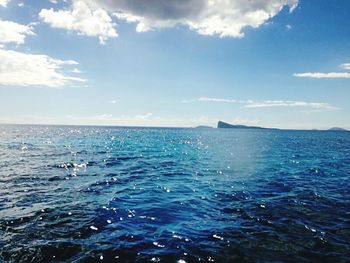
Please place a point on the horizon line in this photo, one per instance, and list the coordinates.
(170, 127)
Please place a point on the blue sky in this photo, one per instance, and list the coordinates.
(273, 63)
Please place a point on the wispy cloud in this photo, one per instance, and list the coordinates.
(283, 103)
(326, 75)
(216, 100)
(112, 101)
(208, 99)
(320, 75)
(268, 103)
(75, 70)
(345, 66)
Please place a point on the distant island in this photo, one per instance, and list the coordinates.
(337, 129)
(225, 125)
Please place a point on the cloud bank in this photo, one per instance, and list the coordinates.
(223, 18)
(22, 69)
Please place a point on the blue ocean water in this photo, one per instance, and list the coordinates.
(107, 194)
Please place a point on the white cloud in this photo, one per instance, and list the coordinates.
(22, 69)
(85, 17)
(328, 75)
(208, 99)
(345, 66)
(228, 18)
(216, 100)
(14, 32)
(112, 102)
(269, 103)
(4, 2)
(75, 70)
(288, 27)
(320, 75)
(224, 18)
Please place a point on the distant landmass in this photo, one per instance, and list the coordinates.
(337, 129)
(226, 125)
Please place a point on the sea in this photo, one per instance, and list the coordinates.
(123, 194)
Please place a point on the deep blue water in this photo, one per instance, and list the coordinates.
(105, 194)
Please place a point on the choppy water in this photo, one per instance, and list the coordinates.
(97, 194)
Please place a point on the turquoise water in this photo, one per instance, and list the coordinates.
(105, 194)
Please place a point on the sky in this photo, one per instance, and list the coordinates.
(179, 63)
